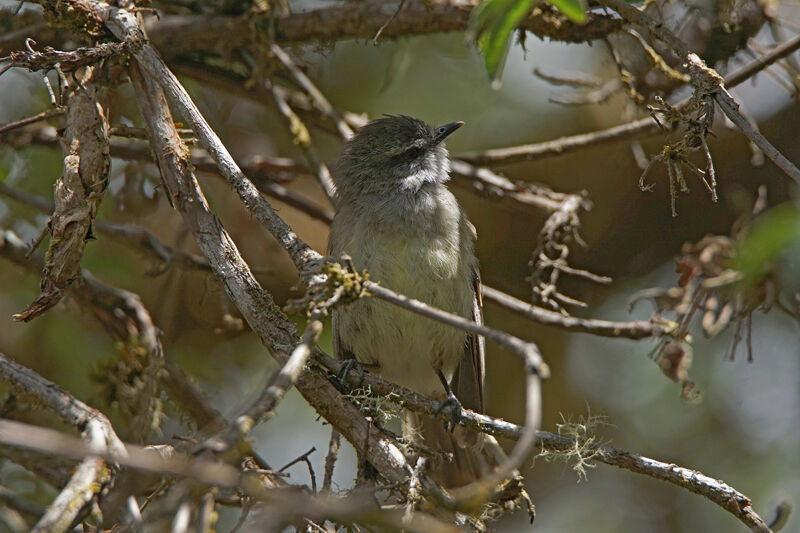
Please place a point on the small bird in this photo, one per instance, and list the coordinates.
(397, 219)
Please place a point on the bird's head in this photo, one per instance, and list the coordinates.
(395, 151)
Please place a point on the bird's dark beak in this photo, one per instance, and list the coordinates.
(444, 131)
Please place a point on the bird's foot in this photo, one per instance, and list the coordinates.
(452, 409)
(353, 365)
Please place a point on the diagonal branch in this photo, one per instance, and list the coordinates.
(264, 317)
(319, 99)
(704, 79)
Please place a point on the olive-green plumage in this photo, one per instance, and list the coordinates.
(397, 219)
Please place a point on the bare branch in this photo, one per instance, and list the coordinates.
(263, 408)
(362, 20)
(562, 145)
(82, 488)
(485, 181)
(714, 490)
(330, 461)
(319, 99)
(44, 115)
(49, 58)
(638, 329)
(731, 109)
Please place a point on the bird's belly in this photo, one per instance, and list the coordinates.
(406, 347)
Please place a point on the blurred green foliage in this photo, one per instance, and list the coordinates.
(769, 237)
(493, 22)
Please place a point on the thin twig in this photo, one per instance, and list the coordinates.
(319, 99)
(385, 24)
(44, 115)
(304, 459)
(470, 176)
(731, 109)
(330, 461)
(276, 389)
(638, 329)
(302, 138)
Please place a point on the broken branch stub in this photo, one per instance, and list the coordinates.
(77, 194)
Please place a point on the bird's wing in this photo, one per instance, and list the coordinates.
(339, 352)
(468, 381)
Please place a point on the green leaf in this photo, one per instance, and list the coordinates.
(491, 26)
(772, 234)
(493, 22)
(573, 9)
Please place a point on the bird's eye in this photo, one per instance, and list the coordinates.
(439, 131)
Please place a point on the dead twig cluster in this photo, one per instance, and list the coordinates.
(710, 290)
(549, 259)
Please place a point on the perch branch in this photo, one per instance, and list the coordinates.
(714, 490)
(476, 492)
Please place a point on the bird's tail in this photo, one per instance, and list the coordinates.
(460, 457)
(470, 455)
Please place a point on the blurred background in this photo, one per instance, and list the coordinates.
(744, 428)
